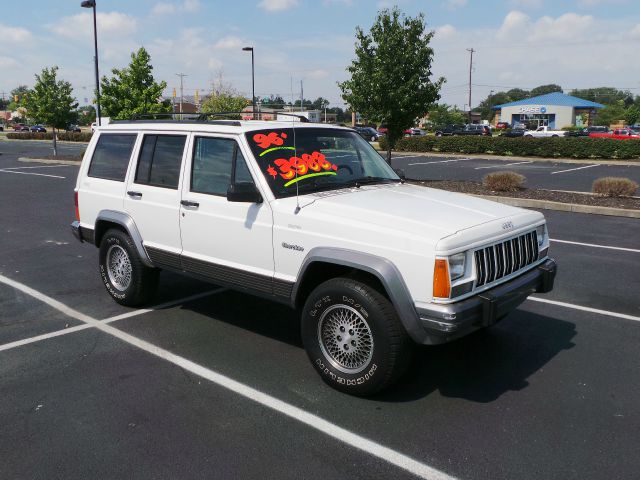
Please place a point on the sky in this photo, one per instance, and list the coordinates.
(517, 43)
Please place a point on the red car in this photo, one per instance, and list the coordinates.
(502, 126)
(21, 127)
(618, 134)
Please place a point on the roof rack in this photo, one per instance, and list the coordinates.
(199, 117)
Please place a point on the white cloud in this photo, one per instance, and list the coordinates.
(8, 62)
(569, 26)
(445, 31)
(81, 25)
(527, 4)
(277, 5)
(163, 8)
(13, 35)
(166, 8)
(317, 74)
(513, 24)
(454, 4)
(229, 43)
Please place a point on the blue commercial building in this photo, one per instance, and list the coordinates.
(555, 110)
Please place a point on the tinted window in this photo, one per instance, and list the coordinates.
(212, 164)
(111, 156)
(160, 160)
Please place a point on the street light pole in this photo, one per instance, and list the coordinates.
(253, 81)
(92, 4)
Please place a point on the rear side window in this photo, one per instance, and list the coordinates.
(111, 156)
(160, 160)
(213, 160)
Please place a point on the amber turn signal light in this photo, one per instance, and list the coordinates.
(441, 282)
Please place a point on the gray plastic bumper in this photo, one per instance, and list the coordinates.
(444, 323)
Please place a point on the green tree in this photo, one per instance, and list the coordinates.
(133, 90)
(225, 102)
(443, 114)
(611, 114)
(86, 115)
(391, 74)
(17, 97)
(604, 95)
(545, 89)
(632, 115)
(51, 102)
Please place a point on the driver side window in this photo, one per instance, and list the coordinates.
(213, 160)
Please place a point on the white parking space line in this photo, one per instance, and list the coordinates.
(315, 422)
(500, 166)
(407, 156)
(439, 161)
(574, 169)
(585, 309)
(134, 313)
(31, 173)
(622, 249)
(38, 166)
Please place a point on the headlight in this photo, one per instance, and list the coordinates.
(456, 265)
(541, 233)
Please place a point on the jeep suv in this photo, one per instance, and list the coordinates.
(310, 216)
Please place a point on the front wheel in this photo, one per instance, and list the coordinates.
(354, 337)
(126, 278)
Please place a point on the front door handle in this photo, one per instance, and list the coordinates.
(189, 203)
(134, 194)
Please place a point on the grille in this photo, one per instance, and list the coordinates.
(497, 261)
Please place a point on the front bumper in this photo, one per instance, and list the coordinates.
(444, 323)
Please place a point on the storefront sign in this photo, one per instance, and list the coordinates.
(533, 109)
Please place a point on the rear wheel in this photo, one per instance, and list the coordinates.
(126, 278)
(354, 337)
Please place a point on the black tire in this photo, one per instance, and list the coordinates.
(373, 138)
(366, 360)
(129, 281)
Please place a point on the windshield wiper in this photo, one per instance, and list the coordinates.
(371, 180)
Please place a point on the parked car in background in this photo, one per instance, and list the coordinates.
(502, 126)
(544, 131)
(448, 130)
(368, 133)
(586, 131)
(72, 128)
(513, 132)
(617, 134)
(20, 127)
(383, 130)
(475, 129)
(414, 132)
(38, 129)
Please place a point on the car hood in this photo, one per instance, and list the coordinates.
(407, 210)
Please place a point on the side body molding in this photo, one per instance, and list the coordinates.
(125, 221)
(383, 269)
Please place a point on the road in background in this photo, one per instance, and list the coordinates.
(539, 174)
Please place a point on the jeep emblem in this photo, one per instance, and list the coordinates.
(507, 225)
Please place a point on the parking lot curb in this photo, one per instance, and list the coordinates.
(564, 207)
(49, 160)
(504, 158)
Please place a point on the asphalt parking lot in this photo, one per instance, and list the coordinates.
(215, 384)
(576, 177)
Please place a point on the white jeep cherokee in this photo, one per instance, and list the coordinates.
(310, 216)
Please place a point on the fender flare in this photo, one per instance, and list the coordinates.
(383, 269)
(126, 222)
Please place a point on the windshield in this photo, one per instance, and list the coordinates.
(316, 159)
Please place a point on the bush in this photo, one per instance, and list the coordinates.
(503, 181)
(64, 136)
(568, 147)
(614, 187)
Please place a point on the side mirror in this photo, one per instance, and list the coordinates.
(245, 192)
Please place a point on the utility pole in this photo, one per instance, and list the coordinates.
(471, 51)
(301, 95)
(181, 75)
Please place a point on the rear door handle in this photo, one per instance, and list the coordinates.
(189, 203)
(134, 194)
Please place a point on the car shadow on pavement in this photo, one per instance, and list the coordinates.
(487, 364)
